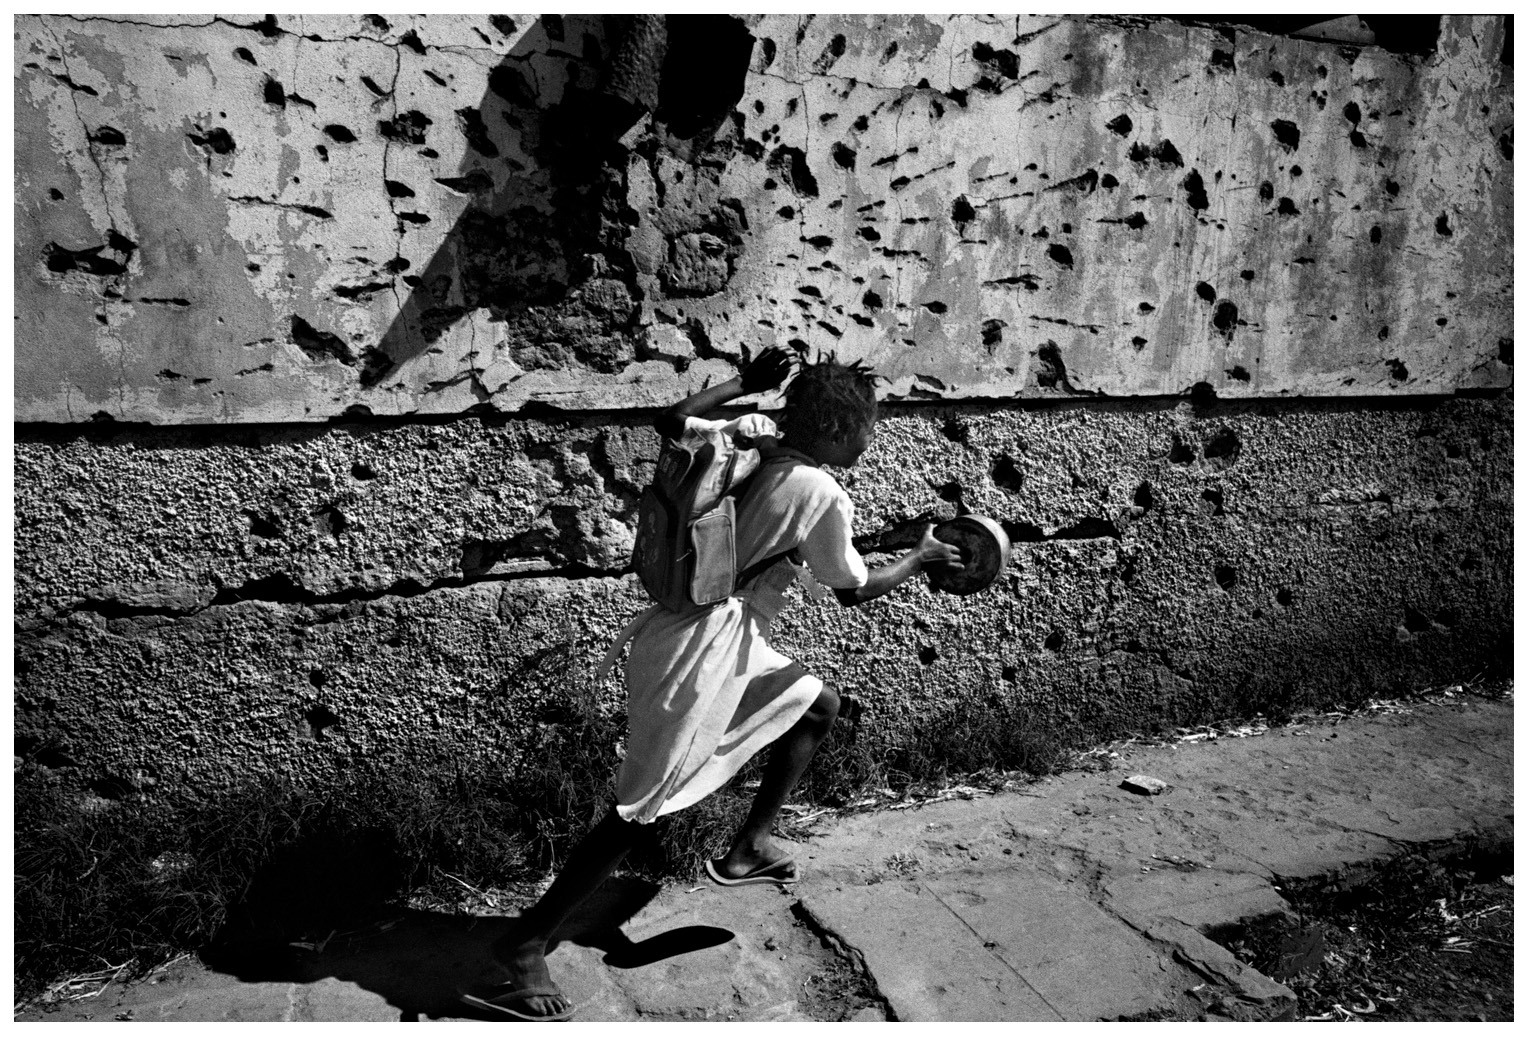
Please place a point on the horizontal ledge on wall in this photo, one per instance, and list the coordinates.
(105, 428)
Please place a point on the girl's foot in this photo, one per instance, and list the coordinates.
(528, 992)
(768, 861)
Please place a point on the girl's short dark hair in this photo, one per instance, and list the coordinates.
(830, 400)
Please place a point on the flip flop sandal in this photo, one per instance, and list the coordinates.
(780, 872)
(501, 1003)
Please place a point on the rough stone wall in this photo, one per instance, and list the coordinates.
(485, 242)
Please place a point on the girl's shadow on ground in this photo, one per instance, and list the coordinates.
(420, 961)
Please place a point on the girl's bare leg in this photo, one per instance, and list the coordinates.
(523, 950)
(788, 760)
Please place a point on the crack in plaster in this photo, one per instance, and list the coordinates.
(90, 145)
(296, 594)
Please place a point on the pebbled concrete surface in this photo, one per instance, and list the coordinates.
(1070, 900)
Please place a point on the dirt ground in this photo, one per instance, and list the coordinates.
(1416, 940)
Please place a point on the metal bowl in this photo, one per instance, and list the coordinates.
(984, 548)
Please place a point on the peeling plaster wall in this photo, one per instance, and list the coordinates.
(462, 238)
(297, 218)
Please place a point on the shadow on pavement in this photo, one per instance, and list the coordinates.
(420, 961)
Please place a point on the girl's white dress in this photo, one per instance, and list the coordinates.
(705, 689)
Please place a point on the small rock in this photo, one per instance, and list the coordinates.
(1144, 785)
(1081, 811)
(771, 944)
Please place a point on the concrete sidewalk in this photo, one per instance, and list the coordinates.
(1073, 899)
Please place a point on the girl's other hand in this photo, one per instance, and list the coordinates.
(766, 371)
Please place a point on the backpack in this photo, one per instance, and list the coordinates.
(685, 553)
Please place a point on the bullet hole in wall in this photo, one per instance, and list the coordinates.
(961, 210)
(1181, 452)
(1414, 620)
(1006, 475)
(844, 156)
(1225, 320)
(992, 333)
(1060, 254)
(1120, 124)
(869, 233)
(1139, 342)
(1247, 275)
(61, 260)
(470, 124)
(315, 723)
(274, 94)
(950, 492)
(503, 24)
(927, 655)
(338, 133)
(956, 430)
(1376, 234)
(1194, 191)
(1287, 208)
(330, 521)
(1108, 182)
(1397, 369)
(1205, 291)
(263, 525)
(1143, 498)
(1212, 502)
(1505, 351)
(1223, 447)
(1145, 307)
(1053, 642)
(1385, 332)
(1287, 133)
(362, 471)
(1010, 674)
(1441, 225)
(1240, 373)
(790, 164)
(375, 22)
(217, 140)
(1226, 577)
(404, 128)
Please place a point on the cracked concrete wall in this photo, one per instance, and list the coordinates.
(304, 216)
(484, 244)
(294, 600)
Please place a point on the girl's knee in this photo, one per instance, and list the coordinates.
(826, 707)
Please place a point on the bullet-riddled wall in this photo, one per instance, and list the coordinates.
(334, 335)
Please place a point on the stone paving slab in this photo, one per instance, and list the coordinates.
(1050, 936)
(927, 962)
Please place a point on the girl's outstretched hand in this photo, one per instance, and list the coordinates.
(766, 371)
(938, 552)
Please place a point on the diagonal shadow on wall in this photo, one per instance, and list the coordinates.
(541, 244)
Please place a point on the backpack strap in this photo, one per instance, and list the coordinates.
(747, 575)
